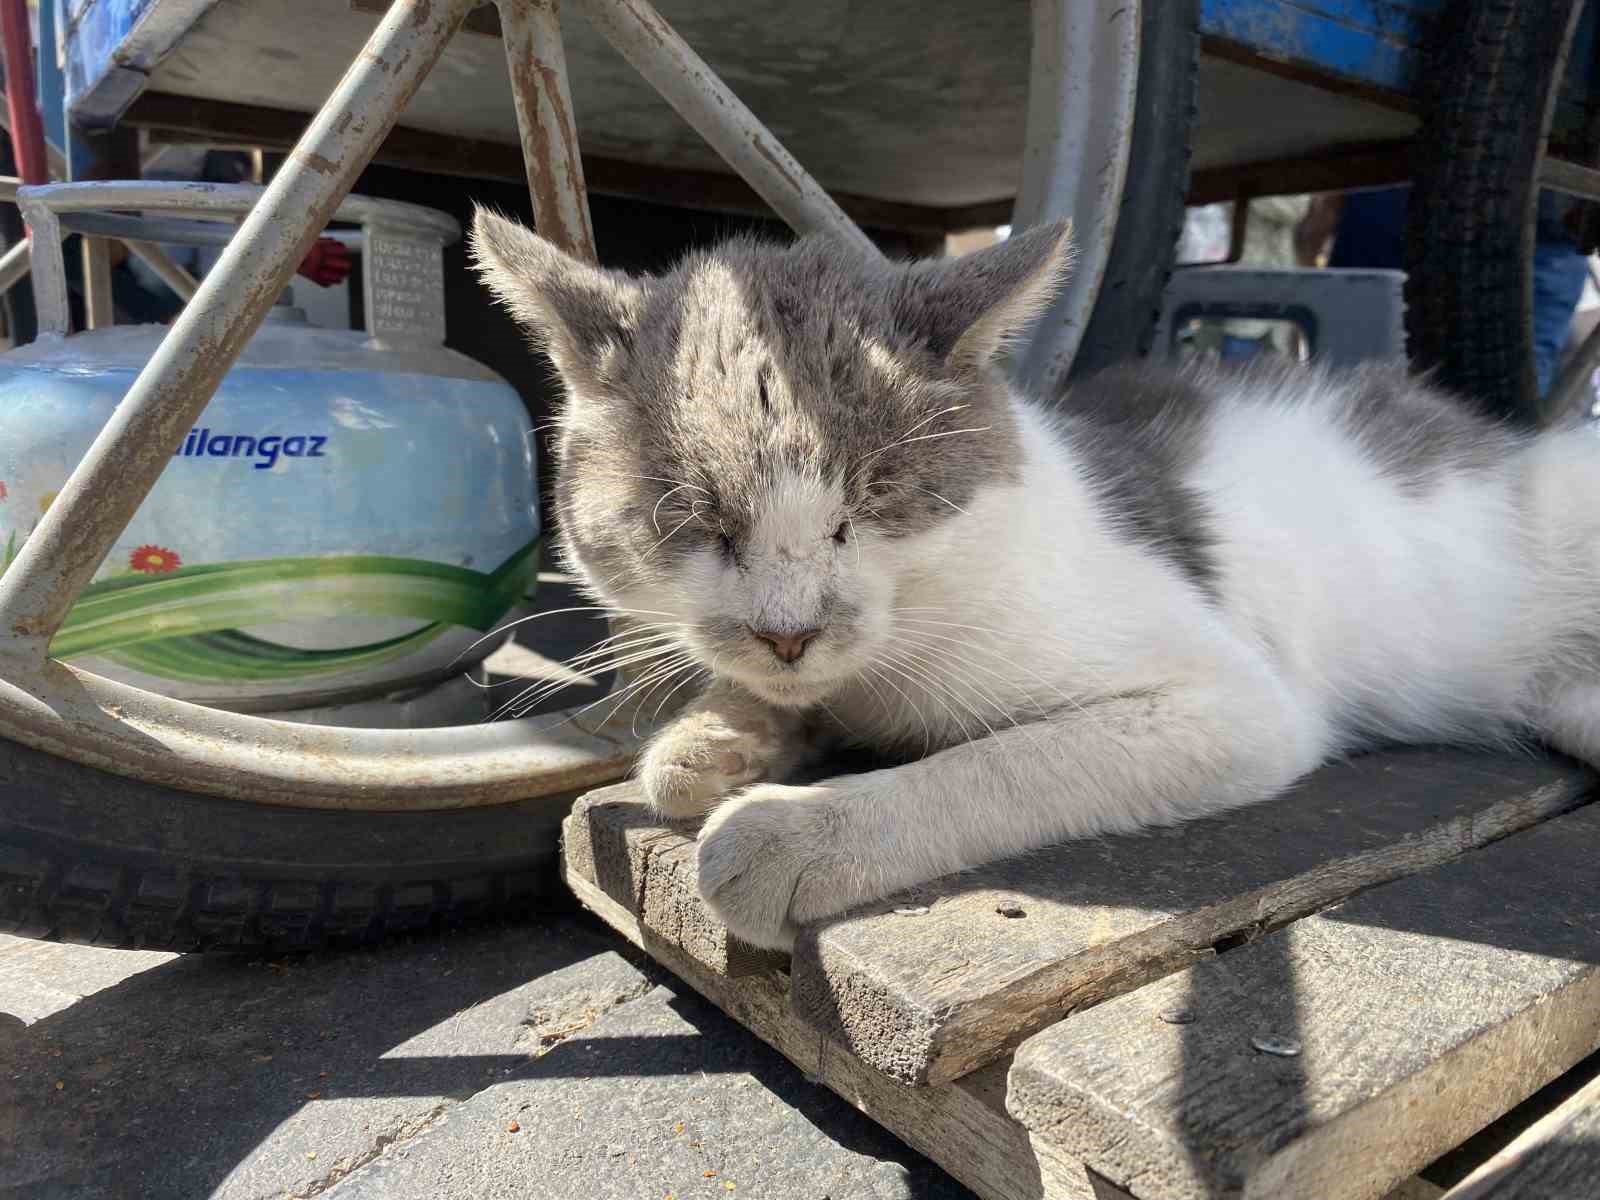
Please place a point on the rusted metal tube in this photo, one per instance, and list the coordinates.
(685, 81)
(15, 265)
(537, 62)
(99, 311)
(22, 104)
(123, 464)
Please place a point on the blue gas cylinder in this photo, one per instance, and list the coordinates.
(347, 518)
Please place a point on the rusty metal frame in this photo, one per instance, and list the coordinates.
(104, 724)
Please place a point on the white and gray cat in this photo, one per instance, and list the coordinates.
(1172, 594)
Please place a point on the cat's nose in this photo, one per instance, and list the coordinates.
(787, 646)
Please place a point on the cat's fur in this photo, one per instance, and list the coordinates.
(1175, 594)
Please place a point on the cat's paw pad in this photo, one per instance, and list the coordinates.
(694, 763)
(771, 861)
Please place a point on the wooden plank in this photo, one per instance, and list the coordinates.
(648, 867)
(1556, 1158)
(927, 998)
(1335, 1057)
(963, 1127)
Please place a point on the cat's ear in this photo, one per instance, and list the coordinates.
(579, 313)
(969, 308)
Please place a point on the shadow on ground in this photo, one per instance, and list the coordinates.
(398, 1070)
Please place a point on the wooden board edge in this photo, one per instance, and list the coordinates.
(1500, 1170)
(966, 1042)
(1522, 1055)
(963, 1126)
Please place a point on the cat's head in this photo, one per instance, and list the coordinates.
(760, 448)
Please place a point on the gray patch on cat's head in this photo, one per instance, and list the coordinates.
(694, 395)
(1416, 435)
(1137, 430)
(751, 358)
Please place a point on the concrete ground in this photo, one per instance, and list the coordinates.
(539, 1060)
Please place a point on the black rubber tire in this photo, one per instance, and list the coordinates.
(1487, 98)
(90, 857)
(1150, 219)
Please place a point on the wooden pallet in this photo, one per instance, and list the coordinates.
(1316, 997)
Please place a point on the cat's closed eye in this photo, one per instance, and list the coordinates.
(841, 534)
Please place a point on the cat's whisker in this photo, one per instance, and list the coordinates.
(874, 666)
(547, 688)
(871, 685)
(837, 719)
(933, 416)
(571, 717)
(921, 437)
(601, 609)
(928, 687)
(944, 659)
(1002, 659)
(695, 671)
(921, 668)
(543, 689)
(1005, 712)
(925, 491)
(620, 695)
(1031, 638)
(656, 511)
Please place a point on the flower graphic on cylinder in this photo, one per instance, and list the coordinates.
(154, 560)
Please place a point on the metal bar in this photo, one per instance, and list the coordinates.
(211, 201)
(22, 105)
(1561, 176)
(148, 229)
(99, 312)
(119, 469)
(158, 260)
(1575, 380)
(15, 265)
(537, 62)
(685, 81)
(49, 274)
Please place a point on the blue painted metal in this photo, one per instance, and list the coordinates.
(1373, 42)
(1379, 44)
(94, 30)
(52, 88)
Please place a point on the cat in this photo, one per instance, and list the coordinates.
(804, 472)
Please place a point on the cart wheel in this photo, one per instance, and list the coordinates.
(90, 857)
(1489, 99)
(1119, 173)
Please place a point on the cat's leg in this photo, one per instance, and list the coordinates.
(725, 740)
(780, 857)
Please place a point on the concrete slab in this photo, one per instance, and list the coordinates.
(661, 1097)
(155, 1076)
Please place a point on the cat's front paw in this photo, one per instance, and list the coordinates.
(776, 858)
(696, 761)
